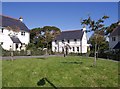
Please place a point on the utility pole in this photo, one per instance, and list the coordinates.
(11, 53)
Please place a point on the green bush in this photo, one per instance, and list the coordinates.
(77, 54)
(113, 55)
(35, 52)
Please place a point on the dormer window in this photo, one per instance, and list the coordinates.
(113, 38)
(23, 33)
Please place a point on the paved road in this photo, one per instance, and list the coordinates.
(21, 57)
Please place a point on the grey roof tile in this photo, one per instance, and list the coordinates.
(11, 22)
(117, 46)
(116, 31)
(15, 39)
(74, 34)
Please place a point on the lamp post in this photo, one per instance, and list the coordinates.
(11, 52)
(64, 48)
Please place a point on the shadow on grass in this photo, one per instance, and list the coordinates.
(43, 81)
(43, 58)
(72, 62)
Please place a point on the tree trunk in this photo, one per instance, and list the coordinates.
(95, 55)
(11, 55)
(47, 49)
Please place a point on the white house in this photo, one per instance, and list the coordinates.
(114, 38)
(74, 41)
(14, 34)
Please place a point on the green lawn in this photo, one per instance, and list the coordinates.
(62, 72)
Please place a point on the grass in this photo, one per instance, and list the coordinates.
(62, 72)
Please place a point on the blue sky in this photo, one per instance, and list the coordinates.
(64, 15)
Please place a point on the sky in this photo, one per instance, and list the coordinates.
(64, 15)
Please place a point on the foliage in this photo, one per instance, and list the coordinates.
(111, 28)
(98, 28)
(42, 37)
(30, 46)
(34, 32)
(34, 52)
(102, 44)
(62, 72)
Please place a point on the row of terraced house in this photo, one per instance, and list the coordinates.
(15, 35)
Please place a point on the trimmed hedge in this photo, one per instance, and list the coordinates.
(113, 55)
(23, 53)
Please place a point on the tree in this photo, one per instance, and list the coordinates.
(111, 28)
(42, 37)
(34, 32)
(97, 27)
(49, 33)
(102, 44)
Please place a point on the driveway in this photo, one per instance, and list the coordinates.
(21, 57)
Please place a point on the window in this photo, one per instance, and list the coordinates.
(68, 41)
(56, 41)
(16, 46)
(75, 40)
(2, 30)
(113, 38)
(23, 33)
(62, 49)
(78, 49)
(73, 49)
(62, 41)
(22, 43)
(1, 43)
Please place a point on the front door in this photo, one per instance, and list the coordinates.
(66, 50)
(16, 45)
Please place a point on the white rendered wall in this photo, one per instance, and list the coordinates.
(72, 44)
(7, 42)
(84, 43)
(24, 38)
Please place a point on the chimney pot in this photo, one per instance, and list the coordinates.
(21, 19)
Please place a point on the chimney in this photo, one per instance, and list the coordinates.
(84, 28)
(21, 19)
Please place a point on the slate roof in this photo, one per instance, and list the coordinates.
(6, 21)
(15, 40)
(67, 35)
(117, 46)
(116, 31)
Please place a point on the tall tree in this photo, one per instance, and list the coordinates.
(33, 33)
(49, 33)
(42, 37)
(102, 44)
(97, 27)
